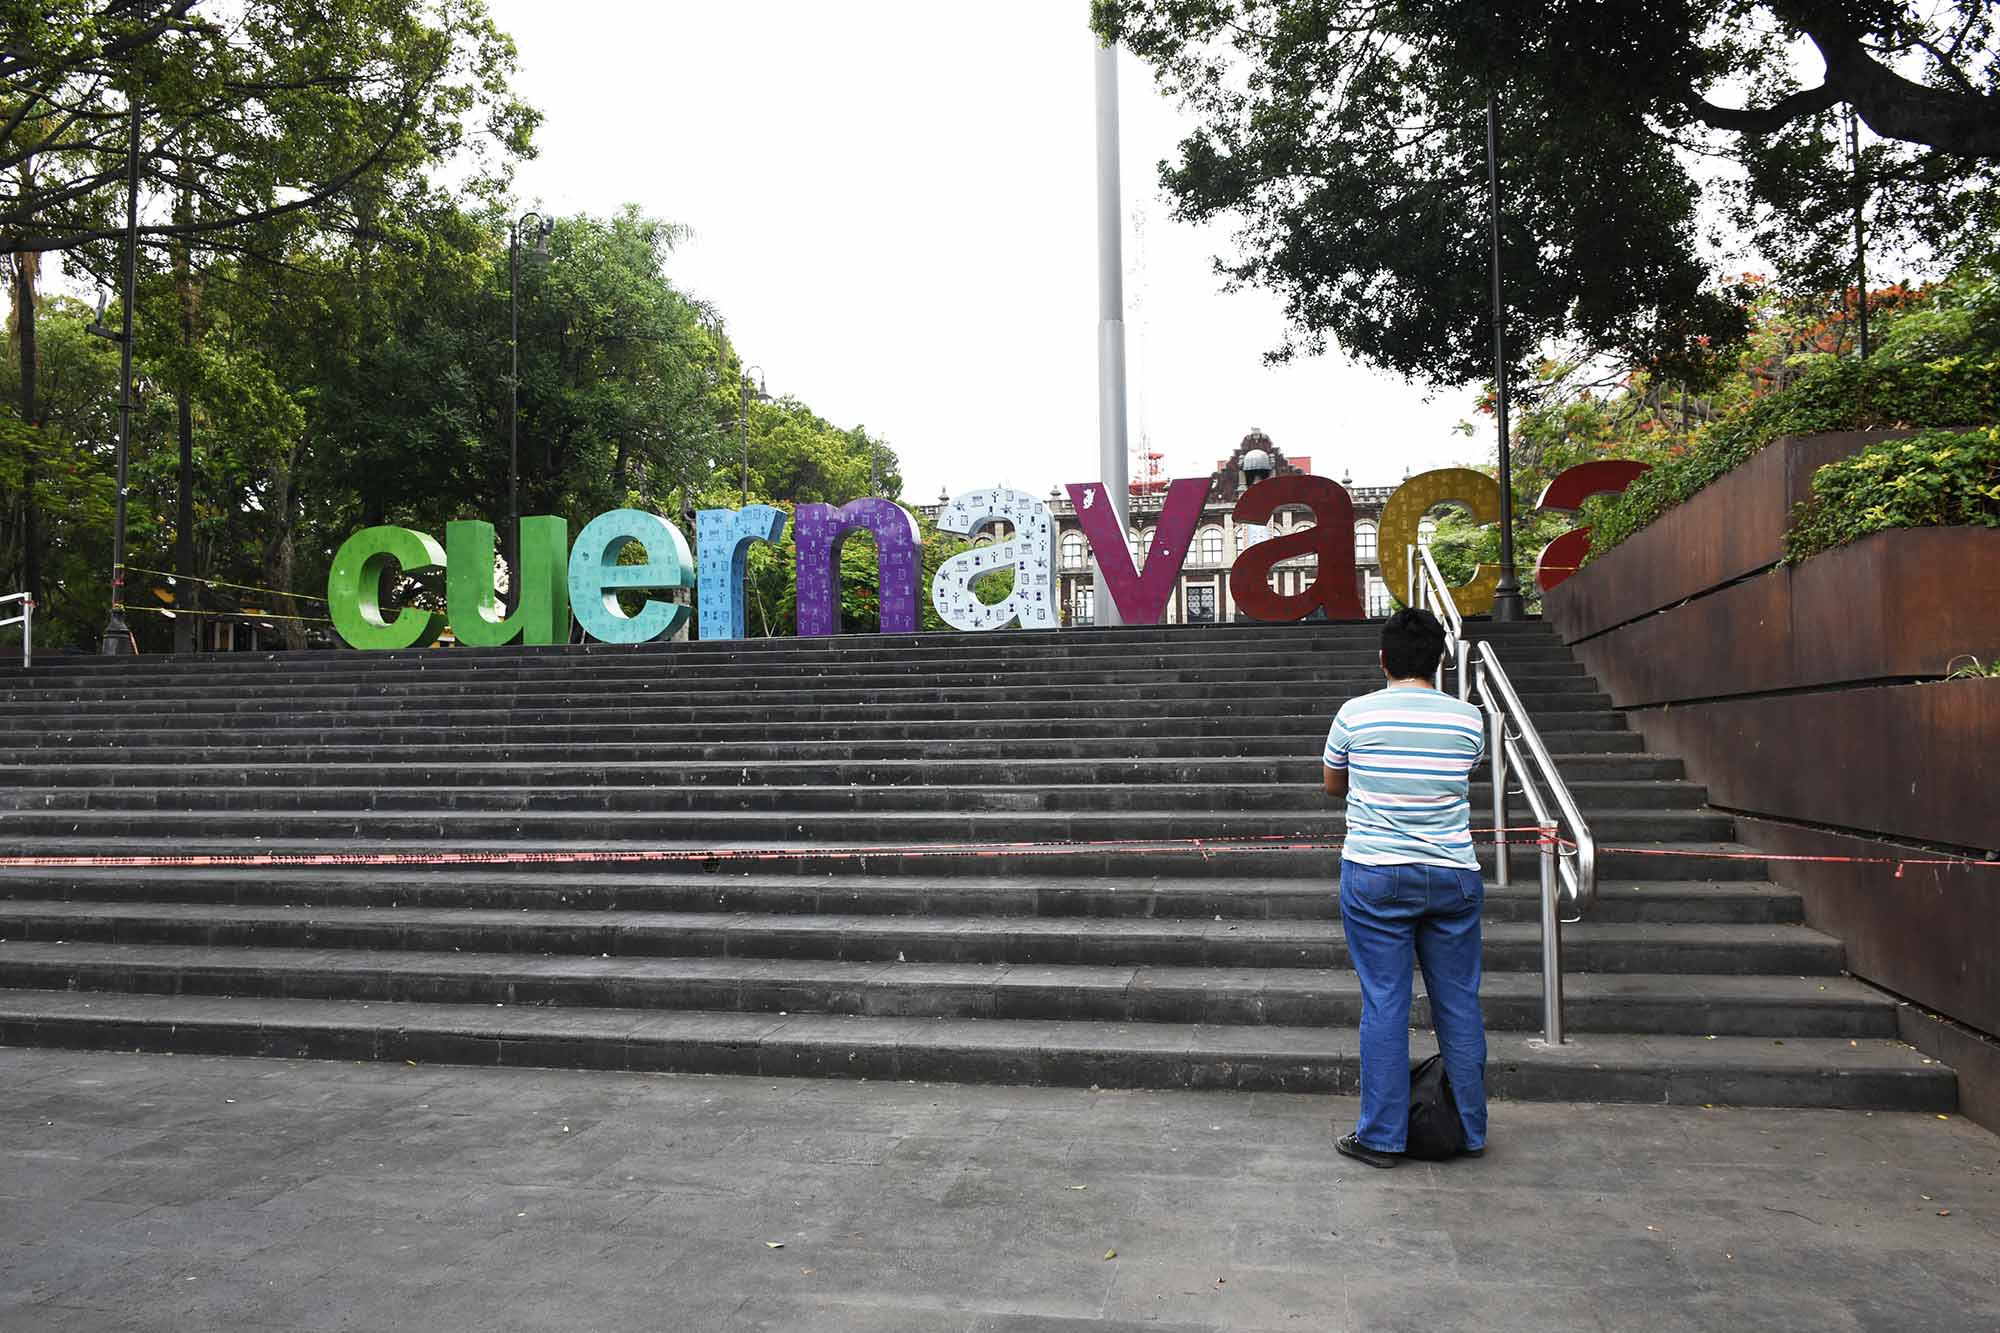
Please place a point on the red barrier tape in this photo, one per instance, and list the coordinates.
(1897, 861)
(1205, 847)
(1249, 842)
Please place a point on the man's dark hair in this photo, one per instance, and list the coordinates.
(1412, 644)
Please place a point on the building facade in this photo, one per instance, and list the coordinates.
(1202, 594)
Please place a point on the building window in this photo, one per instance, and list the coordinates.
(1075, 551)
(1243, 531)
(1201, 600)
(1380, 603)
(1086, 599)
(1209, 544)
(1425, 531)
(1142, 546)
(1364, 542)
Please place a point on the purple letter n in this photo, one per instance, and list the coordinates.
(819, 531)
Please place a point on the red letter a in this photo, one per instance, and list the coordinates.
(1331, 539)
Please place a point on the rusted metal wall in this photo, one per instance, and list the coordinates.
(1734, 528)
(1920, 762)
(1894, 605)
(1932, 935)
(1787, 691)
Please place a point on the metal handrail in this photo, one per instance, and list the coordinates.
(26, 620)
(1429, 591)
(1514, 746)
(1514, 749)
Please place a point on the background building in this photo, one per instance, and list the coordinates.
(1202, 595)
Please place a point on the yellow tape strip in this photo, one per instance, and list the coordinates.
(170, 611)
(223, 583)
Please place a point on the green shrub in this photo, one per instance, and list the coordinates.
(1937, 479)
(1833, 395)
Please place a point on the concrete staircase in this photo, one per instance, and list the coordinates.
(1693, 980)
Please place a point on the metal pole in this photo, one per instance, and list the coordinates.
(117, 635)
(1496, 746)
(743, 427)
(514, 384)
(1860, 244)
(1507, 595)
(1112, 460)
(1552, 976)
(28, 634)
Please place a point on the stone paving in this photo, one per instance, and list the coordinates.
(186, 1193)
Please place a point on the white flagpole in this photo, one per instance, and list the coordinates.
(1113, 461)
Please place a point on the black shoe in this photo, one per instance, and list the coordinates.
(1473, 1152)
(1349, 1146)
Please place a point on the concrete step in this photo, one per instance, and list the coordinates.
(1218, 858)
(399, 745)
(979, 829)
(754, 726)
(1603, 770)
(1683, 1004)
(1685, 902)
(1012, 798)
(1509, 946)
(1516, 640)
(1156, 672)
(1874, 1073)
(1308, 691)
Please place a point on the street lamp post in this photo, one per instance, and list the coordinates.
(117, 634)
(542, 227)
(1507, 593)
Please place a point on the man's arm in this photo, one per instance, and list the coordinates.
(1333, 763)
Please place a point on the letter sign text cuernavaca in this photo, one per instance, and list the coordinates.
(643, 555)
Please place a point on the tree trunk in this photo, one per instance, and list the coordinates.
(25, 266)
(187, 628)
(278, 550)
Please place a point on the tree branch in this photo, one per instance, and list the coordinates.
(1762, 120)
(1899, 108)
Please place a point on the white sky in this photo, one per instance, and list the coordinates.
(894, 209)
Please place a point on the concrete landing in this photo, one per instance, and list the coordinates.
(184, 1192)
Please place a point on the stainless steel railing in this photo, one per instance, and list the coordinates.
(26, 620)
(1567, 851)
(1429, 591)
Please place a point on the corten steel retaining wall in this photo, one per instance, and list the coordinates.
(1810, 699)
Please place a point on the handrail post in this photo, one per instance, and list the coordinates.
(1464, 679)
(28, 634)
(1496, 755)
(1552, 977)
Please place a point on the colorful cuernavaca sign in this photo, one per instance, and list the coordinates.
(559, 578)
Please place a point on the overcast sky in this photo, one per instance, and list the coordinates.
(893, 207)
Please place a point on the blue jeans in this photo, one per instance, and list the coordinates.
(1392, 914)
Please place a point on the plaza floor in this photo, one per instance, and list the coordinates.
(174, 1192)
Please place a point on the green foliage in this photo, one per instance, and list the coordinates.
(265, 120)
(1348, 142)
(1968, 667)
(1830, 396)
(1936, 479)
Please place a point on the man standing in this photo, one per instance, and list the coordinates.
(1410, 891)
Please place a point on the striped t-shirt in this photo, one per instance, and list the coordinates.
(1409, 751)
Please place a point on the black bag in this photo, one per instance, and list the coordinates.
(1436, 1132)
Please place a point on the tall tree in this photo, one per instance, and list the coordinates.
(1348, 136)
